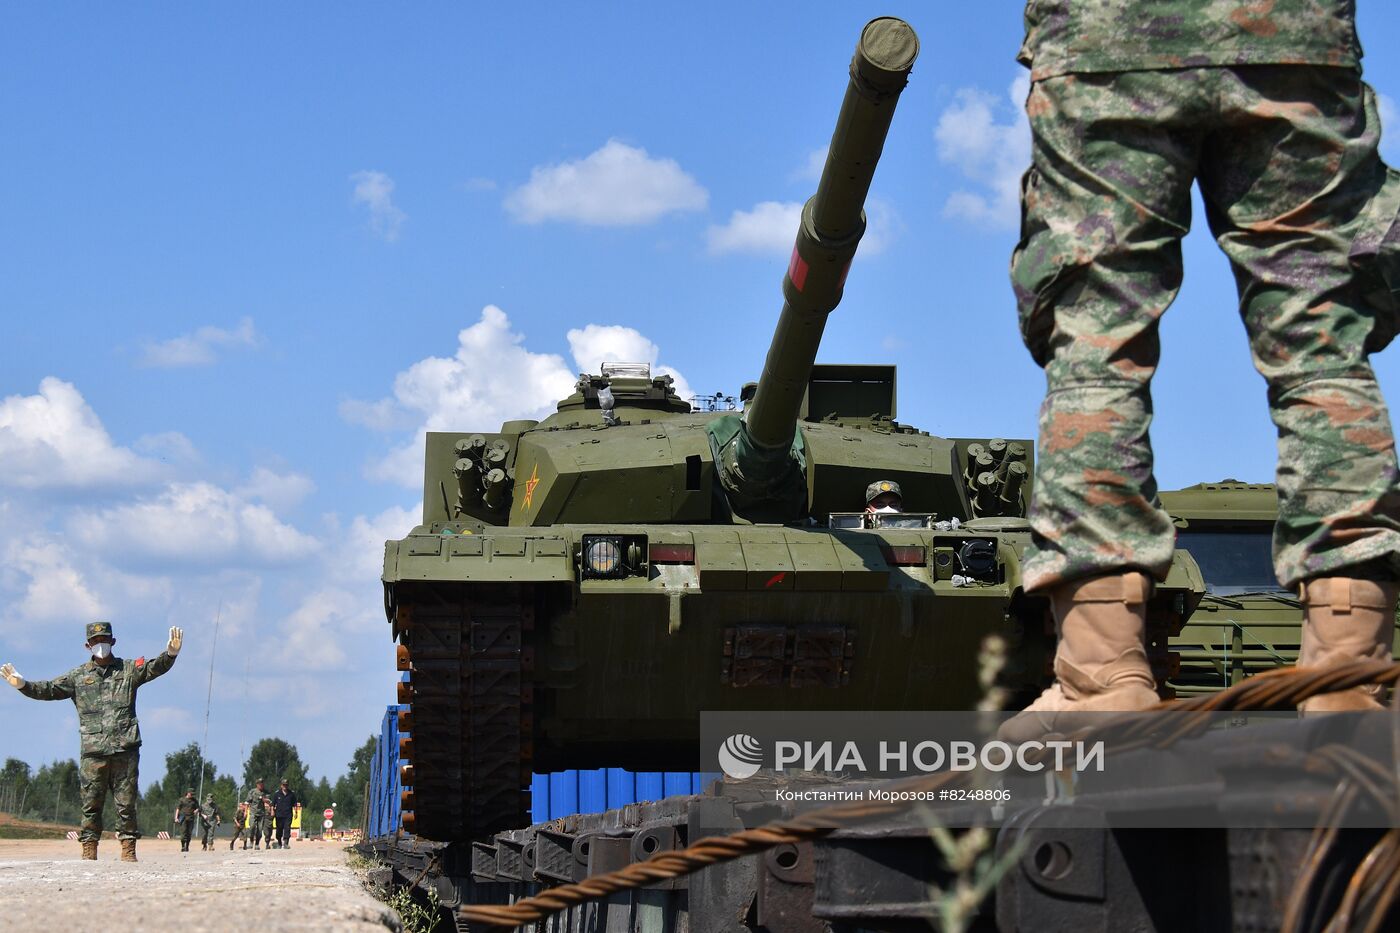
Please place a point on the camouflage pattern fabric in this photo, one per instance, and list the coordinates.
(1286, 160)
(105, 696)
(260, 815)
(98, 773)
(185, 812)
(209, 818)
(240, 822)
(1081, 36)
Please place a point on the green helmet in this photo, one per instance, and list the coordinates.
(882, 487)
(99, 630)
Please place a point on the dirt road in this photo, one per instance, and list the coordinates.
(44, 886)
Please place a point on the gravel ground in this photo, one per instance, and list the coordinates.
(45, 886)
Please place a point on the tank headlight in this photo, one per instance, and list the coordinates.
(612, 557)
(603, 557)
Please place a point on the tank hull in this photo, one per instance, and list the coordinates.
(515, 660)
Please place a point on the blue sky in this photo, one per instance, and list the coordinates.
(251, 251)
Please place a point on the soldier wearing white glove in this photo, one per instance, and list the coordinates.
(104, 691)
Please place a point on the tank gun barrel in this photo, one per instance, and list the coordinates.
(761, 467)
(833, 222)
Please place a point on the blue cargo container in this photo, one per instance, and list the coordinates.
(554, 795)
(384, 783)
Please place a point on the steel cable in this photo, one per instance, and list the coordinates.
(1275, 689)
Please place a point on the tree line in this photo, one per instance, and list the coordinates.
(50, 793)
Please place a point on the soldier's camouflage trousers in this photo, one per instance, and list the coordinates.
(1297, 197)
(96, 774)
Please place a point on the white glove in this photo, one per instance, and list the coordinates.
(8, 672)
(177, 636)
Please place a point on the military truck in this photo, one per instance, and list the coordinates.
(582, 587)
(1246, 622)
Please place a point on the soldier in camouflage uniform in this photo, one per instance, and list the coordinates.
(209, 818)
(260, 815)
(185, 812)
(1262, 105)
(240, 822)
(104, 691)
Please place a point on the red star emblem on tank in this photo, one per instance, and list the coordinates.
(530, 485)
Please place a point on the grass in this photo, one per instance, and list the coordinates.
(419, 914)
(11, 827)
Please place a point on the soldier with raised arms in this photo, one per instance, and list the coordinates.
(1261, 105)
(104, 691)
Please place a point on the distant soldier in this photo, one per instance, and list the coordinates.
(185, 812)
(104, 691)
(260, 814)
(240, 822)
(283, 803)
(209, 818)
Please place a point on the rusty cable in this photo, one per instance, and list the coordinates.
(664, 866)
(1385, 901)
(1282, 687)
(1380, 861)
(1319, 846)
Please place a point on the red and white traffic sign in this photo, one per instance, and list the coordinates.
(329, 823)
(328, 813)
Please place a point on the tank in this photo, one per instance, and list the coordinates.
(583, 586)
(1246, 623)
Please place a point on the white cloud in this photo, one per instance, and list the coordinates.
(169, 447)
(278, 490)
(306, 613)
(1390, 120)
(359, 554)
(375, 190)
(192, 524)
(465, 392)
(347, 606)
(991, 155)
(770, 229)
(198, 348)
(312, 634)
(55, 440)
(617, 185)
(811, 170)
(51, 587)
(169, 719)
(596, 344)
(383, 415)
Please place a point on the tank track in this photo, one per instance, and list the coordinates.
(469, 726)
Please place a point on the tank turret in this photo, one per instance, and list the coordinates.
(760, 454)
(582, 586)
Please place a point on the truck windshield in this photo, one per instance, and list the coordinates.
(1233, 560)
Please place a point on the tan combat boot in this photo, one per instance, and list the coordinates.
(1347, 620)
(128, 850)
(90, 850)
(1100, 660)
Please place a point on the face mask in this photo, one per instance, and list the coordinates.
(101, 651)
(887, 508)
